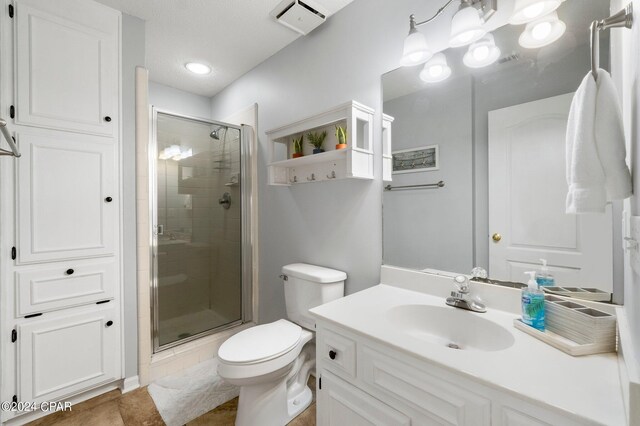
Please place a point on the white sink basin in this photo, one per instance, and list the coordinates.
(450, 327)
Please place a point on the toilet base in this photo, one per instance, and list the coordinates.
(298, 404)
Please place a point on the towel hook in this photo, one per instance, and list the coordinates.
(622, 19)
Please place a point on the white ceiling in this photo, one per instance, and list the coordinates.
(231, 36)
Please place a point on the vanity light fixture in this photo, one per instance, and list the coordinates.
(525, 11)
(436, 69)
(416, 50)
(466, 27)
(482, 53)
(542, 32)
(198, 68)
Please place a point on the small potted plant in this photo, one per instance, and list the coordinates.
(297, 146)
(341, 137)
(317, 140)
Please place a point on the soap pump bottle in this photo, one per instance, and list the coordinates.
(533, 303)
(544, 277)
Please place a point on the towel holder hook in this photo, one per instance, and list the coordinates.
(622, 19)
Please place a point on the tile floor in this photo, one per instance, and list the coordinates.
(136, 408)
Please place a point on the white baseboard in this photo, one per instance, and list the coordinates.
(129, 384)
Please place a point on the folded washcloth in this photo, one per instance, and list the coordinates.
(596, 168)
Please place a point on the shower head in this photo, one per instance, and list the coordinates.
(215, 133)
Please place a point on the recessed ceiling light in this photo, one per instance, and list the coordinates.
(198, 68)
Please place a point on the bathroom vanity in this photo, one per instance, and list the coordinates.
(395, 354)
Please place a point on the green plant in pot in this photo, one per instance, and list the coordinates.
(317, 140)
(297, 146)
(341, 137)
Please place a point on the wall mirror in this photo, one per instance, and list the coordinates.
(488, 144)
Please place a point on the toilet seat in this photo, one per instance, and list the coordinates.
(260, 343)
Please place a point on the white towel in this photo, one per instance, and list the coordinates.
(596, 168)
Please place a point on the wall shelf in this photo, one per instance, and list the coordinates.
(355, 161)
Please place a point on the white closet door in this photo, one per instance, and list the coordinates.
(57, 357)
(67, 66)
(66, 197)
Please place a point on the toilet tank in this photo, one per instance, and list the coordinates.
(307, 286)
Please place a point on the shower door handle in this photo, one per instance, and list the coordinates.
(160, 230)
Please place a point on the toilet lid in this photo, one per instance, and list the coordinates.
(260, 343)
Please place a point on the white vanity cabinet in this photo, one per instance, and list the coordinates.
(384, 386)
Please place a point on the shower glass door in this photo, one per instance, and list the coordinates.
(197, 228)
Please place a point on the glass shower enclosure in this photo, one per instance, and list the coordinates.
(199, 221)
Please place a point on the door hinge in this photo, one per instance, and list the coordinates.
(12, 111)
(13, 253)
(14, 335)
(320, 383)
(10, 11)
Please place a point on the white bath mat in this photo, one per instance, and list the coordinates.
(184, 396)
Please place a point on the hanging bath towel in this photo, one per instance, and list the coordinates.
(596, 169)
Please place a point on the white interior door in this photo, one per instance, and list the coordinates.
(527, 193)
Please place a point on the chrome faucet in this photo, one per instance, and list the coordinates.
(460, 297)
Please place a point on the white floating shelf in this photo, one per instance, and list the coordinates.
(355, 161)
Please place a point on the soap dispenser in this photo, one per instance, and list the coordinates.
(544, 277)
(533, 303)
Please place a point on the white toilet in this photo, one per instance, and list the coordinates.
(271, 363)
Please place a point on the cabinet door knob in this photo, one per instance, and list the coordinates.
(70, 271)
(332, 354)
(108, 199)
(496, 237)
(107, 119)
(109, 323)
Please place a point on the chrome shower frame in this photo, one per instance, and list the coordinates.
(246, 191)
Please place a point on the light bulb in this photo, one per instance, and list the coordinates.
(416, 50)
(525, 11)
(481, 53)
(466, 26)
(436, 70)
(541, 31)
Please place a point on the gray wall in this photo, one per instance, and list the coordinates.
(133, 55)
(433, 228)
(336, 224)
(178, 101)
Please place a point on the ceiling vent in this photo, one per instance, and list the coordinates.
(300, 16)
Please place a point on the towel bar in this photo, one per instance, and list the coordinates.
(421, 186)
(622, 19)
(14, 149)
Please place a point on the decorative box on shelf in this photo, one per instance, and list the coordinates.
(354, 161)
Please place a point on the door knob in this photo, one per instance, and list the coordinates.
(108, 199)
(109, 323)
(70, 271)
(107, 119)
(332, 354)
(496, 237)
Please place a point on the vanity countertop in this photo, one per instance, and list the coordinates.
(588, 386)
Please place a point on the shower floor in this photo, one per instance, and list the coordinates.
(180, 327)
